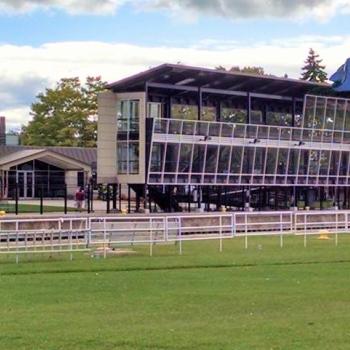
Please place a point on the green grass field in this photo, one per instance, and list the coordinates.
(265, 297)
(33, 208)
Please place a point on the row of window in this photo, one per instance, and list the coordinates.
(213, 159)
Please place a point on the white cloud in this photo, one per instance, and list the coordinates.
(26, 70)
(235, 9)
(71, 6)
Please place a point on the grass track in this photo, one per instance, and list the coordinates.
(265, 297)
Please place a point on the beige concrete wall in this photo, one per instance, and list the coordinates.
(106, 138)
(71, 182)
(139, 178)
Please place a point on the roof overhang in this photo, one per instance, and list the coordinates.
(46, 156)
(181, 77)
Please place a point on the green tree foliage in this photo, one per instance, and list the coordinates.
(65, 115)
(246, 69)
(313, 69)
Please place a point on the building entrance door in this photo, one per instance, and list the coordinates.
(25, 180)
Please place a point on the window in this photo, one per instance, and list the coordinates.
(128, 121)
(154, 110)
(188, 112)
(234, 115)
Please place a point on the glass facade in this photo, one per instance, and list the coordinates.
(128, 134)
(232, 153)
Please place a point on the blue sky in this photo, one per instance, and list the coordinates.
(44, 40)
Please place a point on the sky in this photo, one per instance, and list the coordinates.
(42, 41)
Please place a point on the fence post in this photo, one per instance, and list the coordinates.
(220, 223)
(305, 230)
(41, 199)
(246, 231)
(180, 239)
(104, 238)
(107, 199)
(16, 198)
(150, 238)
(65, 198)
(88, 199)
(281, 230)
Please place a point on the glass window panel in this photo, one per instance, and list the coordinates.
(324, 162)
(154, 110)
(202, 128)
(271, 161)
(239, 131)
(226, 130)
(157, 157)
(303, 161)
(248, 160)
(133, 150)
(314, 157)
(224, 159)
(344, 164)
(122, 157)
(236, 160)
(347, 117)
(233, 115)
(256, 117)
(282, 161)
(330, 114)
(208, 113)
(175, 126)
(278, 118)
(252, 131)
(198, 158)
(333, 170)
(309, 107)
(181, 111)
(171, 157)
(339, 116)
(188, 128)
(211, 159)
(320, 113)
(293, 161)
(214, 129)
(259, 160)
(161, 126)
(185, 158)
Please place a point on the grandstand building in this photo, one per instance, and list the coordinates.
(184, 138)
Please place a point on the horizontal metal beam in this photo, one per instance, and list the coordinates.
(220, 91)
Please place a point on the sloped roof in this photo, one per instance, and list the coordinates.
(87, 156)
(181, 75)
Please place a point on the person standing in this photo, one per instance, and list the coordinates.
(79, 198)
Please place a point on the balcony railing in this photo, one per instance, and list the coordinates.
(244, 131)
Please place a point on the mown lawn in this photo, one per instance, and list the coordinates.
(265, 297)
(33, 208)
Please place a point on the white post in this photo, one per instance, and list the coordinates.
(70, 245)
(304, 230)
(281, 231)
(180, 237)
(246, 231)
(220, 223)
(104, 239)
(150, 239)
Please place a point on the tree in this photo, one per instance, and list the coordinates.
(65, 115)
(246, 69)
(313, 69)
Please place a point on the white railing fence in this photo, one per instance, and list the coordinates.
(83, 234)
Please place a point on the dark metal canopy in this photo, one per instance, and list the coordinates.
(180, 77)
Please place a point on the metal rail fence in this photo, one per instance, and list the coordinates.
(82, 234)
